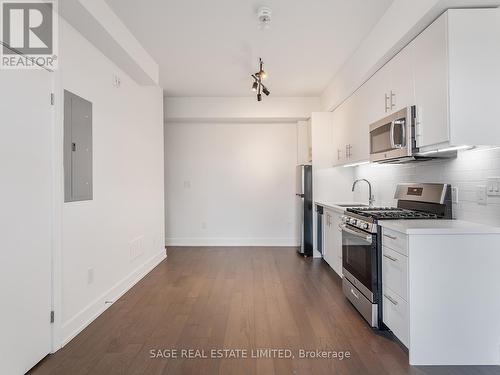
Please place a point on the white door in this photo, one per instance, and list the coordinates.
(25, 218)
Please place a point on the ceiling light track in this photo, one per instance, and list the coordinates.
(257, 84)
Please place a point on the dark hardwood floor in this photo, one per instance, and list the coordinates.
(235, 298)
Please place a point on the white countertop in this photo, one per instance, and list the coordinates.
(438, 227)
(335, 205)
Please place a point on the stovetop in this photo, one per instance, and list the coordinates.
(391, 213)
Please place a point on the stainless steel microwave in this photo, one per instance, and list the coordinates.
(392, 139)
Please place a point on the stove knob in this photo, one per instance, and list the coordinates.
(366, 226)
(354, 221)
(348, 220)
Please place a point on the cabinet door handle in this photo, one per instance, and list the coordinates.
(387, 108)
(391, 258)
(391, 300)
(393, 97)
(391, 237)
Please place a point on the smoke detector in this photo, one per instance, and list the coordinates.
(264, 17)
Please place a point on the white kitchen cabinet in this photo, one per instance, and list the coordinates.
(395, 272)
(321, 138)
(358, 140)
(431, 84)
(339, 134)
(374, 94)
(390, 89)
(332, 240)
(456, 63)
(327, 237)
(395, 283)
(442, 317)
(395, 311)
(350, 131)
(450, 72)
(402, 90)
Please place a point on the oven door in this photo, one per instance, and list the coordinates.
(391, 137)
(359, 260)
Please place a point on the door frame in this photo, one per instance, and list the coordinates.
(57, 133)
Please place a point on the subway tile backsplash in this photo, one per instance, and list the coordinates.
(468, 171)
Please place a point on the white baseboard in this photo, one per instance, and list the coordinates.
(231, 241)
(80, 321)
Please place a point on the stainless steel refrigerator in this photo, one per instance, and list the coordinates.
(304, 194)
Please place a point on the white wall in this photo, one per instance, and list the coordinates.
(128, 186)
(231, 183)
(469, 170)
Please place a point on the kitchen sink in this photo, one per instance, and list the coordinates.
(352, 205)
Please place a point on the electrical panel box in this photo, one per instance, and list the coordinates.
(77, 148)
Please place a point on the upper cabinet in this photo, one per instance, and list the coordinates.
(391, 88)
(321, 136)
(350, 132)
(457, 74)
(430, 66)
(402, 90)
(450, 72)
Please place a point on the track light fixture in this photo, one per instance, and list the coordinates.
(257, 85)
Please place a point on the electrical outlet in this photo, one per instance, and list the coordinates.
(203, 225)
(117, 82)
(90, 276)
(187, 184)
(481, 194)
(454, 194)
(493, 186)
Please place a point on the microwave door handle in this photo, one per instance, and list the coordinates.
(402, 123)
(393, 145)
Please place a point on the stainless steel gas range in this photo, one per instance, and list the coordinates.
(361, 241)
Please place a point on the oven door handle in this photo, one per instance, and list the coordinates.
(357, 233)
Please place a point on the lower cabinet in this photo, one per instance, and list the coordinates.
(395, 284)
(332, 249)
(396, 315)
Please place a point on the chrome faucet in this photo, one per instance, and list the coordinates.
(371, 198)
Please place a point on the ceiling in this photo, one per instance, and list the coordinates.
(210, 47)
